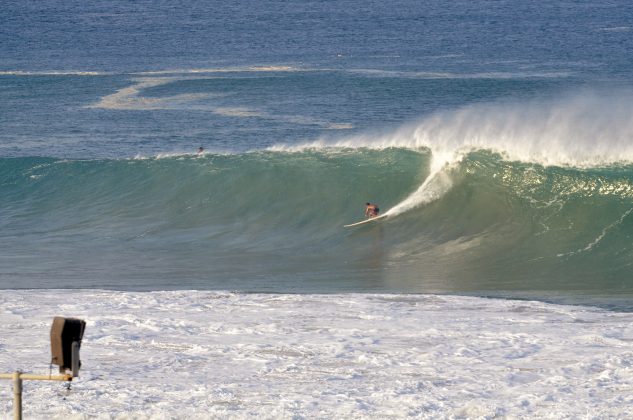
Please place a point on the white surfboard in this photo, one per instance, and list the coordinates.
(362, 222)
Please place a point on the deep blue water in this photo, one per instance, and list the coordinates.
(518, 115)
(471, 36)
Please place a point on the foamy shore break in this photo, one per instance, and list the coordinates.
(193, 354)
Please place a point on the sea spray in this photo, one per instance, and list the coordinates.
(587, 129)
(433, 187)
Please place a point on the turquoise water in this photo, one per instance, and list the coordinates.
(496, 135)
(272, 221)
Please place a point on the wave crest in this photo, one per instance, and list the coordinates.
(589, 129)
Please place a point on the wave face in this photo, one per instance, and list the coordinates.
(272, 221)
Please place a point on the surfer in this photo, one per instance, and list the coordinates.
(200, 150)
(371, 210)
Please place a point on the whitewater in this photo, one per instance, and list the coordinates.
(219, 354)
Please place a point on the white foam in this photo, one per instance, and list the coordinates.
(617, 29)
(239, 112)
(51, 73)
(430, 75)
(176, 154)
(187, 354)
(245, 69)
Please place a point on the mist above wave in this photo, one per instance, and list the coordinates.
(587, 129)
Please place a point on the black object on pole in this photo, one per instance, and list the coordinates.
(64, 332)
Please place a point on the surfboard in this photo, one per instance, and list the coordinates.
(362, 222)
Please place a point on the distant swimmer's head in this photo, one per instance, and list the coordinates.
(368, 204)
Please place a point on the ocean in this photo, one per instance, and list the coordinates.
(497, 137)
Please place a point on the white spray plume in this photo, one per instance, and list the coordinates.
(583, 130)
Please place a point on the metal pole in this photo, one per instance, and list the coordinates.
(17, 396)
(18, 377)
(74, 359)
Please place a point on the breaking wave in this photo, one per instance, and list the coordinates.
(481, 223)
